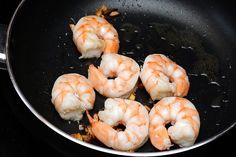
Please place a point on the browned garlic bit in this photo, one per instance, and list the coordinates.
(87, 137)
(132, 96)
(103, 11)
(89, 134)
(114, 13)
(77, 136)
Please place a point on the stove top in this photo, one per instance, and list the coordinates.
(18, 139)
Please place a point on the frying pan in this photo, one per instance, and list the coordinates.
(198, 35)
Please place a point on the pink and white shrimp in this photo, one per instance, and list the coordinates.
(93, 35)
(183, 116)
(162, 77)
(125, 70)
(131, 114)
(72, 94)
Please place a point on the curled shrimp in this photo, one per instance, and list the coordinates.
(72, 94)
(162, 77)
(131, 114)
(125, 69)
(93, 35)
(184, 117)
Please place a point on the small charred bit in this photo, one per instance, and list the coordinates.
(103, 11)
(148, 108)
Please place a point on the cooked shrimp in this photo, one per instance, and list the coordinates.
(131, 114)
(162, 77)
(93, 35)
(72, 94)
(125, 69)
(184, 117)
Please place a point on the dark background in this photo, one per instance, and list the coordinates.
(17, 138)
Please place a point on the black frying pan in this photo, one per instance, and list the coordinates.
(198, 35)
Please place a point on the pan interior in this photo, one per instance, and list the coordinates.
(198, 38)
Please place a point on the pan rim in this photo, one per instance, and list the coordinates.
(88, 145)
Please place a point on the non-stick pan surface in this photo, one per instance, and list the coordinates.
(199, 36)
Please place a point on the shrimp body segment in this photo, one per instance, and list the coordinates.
(93, 35)
(131, 114)
(125, 69)
(184, 118)
(72, 94)
(162, 77)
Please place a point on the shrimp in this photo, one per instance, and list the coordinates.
(184, 117)
(72, 94)
(125, 69)
(131, 114)
(162, 77)
(93, 35)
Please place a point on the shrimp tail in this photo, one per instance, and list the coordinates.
(91, 119)
(102, 131)
(96, 77)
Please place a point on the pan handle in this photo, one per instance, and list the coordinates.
(3, 32)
